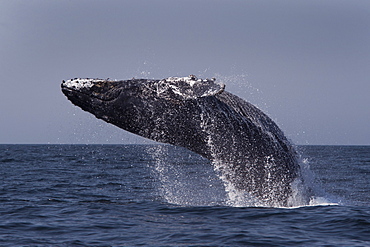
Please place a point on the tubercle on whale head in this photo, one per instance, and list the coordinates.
(190, 87)
(102, 89)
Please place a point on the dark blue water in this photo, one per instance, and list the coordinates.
(156, 195)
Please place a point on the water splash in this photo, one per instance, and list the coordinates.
(184, 178)
(313, 188)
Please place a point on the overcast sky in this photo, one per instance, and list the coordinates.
(305, 63)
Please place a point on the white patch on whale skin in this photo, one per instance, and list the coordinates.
(188, 79)
(190, 87)
(78, 83)
(191, 80)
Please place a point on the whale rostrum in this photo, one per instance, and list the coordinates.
(249, 149)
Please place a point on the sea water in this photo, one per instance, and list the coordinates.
(160, 195)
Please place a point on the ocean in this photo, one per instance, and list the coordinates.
(160, 195)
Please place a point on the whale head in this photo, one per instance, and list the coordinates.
(154, 109)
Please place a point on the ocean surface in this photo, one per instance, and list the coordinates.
(160, 195)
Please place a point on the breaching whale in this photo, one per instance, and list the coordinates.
(249, 149)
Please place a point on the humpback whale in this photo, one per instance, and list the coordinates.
(249, 149)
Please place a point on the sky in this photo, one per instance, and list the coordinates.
(304, 63)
